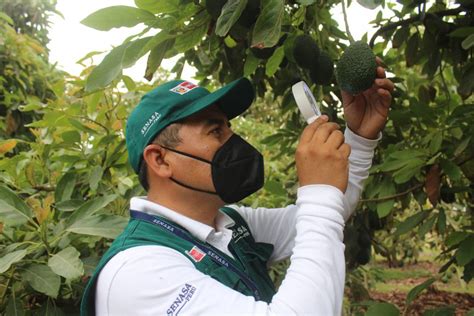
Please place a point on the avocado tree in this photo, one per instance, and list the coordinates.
(421, 184)
(64, 167)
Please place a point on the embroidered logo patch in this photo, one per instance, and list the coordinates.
(187, 292)
(196, 254)
(151, 120)
(184, 87)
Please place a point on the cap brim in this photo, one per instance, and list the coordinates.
(233, 99)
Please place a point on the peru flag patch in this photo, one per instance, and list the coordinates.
(184, 87)
(196, 254)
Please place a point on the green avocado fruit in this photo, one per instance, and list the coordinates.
(321, 72)
(356, 70)
(305, 51)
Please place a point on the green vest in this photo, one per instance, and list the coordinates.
(250, 257)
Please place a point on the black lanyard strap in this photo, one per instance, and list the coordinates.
(217, 258)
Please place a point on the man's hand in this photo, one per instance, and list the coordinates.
(322, 156)
(366, 113)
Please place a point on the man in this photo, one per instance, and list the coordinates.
(189, 250)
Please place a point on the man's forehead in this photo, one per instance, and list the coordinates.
(212, 111)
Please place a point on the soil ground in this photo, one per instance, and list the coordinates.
(393, 285)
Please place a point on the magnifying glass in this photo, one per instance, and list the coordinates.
(306, 102)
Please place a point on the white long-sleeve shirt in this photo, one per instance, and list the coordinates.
(148, 280)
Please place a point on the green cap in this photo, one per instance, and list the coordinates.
(175, 100)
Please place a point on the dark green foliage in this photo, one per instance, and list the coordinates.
(214, 7)
(322, 71)
(250, 14)
(305, 51)
(356, 69)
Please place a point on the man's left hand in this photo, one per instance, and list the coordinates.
(366, 113)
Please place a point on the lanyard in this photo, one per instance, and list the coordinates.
(217, 258)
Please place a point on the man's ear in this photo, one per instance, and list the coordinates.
(154, 156)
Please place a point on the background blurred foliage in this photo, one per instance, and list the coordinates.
(64, 172)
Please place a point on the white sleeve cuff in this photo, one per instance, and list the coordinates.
(364, 147)
(326, 198)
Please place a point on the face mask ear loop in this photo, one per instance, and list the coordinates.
(187, 155)
(194, 157)
(192, 188)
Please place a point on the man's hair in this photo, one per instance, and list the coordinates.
(168, 137)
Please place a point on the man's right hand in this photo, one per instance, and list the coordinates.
(322, 157)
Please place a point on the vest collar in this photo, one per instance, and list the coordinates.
(197, 229)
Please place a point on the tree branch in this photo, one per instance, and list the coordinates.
(348, 31)
(394, 196)
(417, 18)
(44, 188)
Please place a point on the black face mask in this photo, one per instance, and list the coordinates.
(237, 170)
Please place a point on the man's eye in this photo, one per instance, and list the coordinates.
(216, 130)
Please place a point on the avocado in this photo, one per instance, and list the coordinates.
(305, 51)
(321, 72)
(214, 7)
(356, 70)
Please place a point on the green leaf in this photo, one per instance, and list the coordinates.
(400, 37)
(117, 16)
(109, 69)
(266, 32)
(251, 64)
(156, 57)
(410, 223)
(6, 18)
(451, 169)
(387, 188)
(468, 42)
(42, 279)
(68, 205)
(129, 83)
(411, 51)
(158, 6)
(436, 142)
(370, 4)
(275, 188)
(274, 61)
(229, 42)
(414, 292)
(135, 50)
(441, 222)
(230, 13)
(95, 176)
(465, 252)
(108, 226)
(66, 263)
(427, 226)
(13, 210)
(193, 34)
(90, 208)
(391, 165)
(441, 311)
(71, 137)
(462, 146)
(411, 169)
(80, 126)
(14, 307)
(462, 32)
(455, 238)
(408, 154)
(384, 309)
(65, 187)
(11, 258)
(306, 2)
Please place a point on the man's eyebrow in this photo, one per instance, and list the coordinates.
(214, 121)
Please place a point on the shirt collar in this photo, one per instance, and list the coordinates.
(199, 230)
